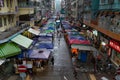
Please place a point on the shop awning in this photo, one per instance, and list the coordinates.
(83, 47)
(27, 34)
(39, 54)
(2, 61)
(23, 41)
(36, 32)
(8, 50)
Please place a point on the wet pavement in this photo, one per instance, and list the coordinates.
(62, 69)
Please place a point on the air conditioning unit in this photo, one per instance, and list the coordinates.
(110, 1)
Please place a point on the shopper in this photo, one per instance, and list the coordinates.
(52, 60)
(73, 60)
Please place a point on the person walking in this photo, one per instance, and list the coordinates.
(52, 60)
(59, 37)
(73, 60)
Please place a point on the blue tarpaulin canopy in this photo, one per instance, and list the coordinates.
(39, 54)
(45, 45)
(77, 37)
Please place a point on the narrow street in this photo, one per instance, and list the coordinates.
(62, 69)
(60, 39)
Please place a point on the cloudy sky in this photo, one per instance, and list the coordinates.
(58, 5)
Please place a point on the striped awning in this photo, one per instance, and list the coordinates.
(9, 49)
(22, 40)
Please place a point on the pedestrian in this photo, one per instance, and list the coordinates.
(52, 60)
(73, 60)
(75, 74)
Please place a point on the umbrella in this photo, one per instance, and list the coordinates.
(39, 54)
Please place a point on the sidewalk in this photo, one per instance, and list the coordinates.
(14, 77)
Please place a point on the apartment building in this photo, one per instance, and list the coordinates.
(104, 23)
(8, 14)
(26, 12)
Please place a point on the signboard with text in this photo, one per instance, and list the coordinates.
(115, 45)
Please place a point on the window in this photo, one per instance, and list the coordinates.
(110, 1)
(118, 1)
(12, 19)
(9, 19)
(102, 1)
(11, 1)
(5, 22)
(1, 3)
(7, 2)
(0, 22)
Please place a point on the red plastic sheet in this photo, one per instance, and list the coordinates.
(75, 41)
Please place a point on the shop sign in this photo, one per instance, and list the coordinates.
(115, 45)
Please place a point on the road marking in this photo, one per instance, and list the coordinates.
(65, 78)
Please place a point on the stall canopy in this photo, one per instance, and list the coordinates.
(9, 49)
(46, 34)
(46, 45)
(2, 61)
(75, 41)
(45, 38)
(23, 41)
(83, 47)
(36, 32)
(39, 54)
(27, 34)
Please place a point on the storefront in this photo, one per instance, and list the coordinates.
(93, 36)
(115, 52)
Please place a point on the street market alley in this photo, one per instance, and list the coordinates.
(62, 69)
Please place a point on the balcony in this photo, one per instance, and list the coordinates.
(116, 6)
(26, 10)
(105, 6)
(110, 6)
(13, 31)
(7, 11)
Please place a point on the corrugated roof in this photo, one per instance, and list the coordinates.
(36, 32)
(22, 40)
(8, 50)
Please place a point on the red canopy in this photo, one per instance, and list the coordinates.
(75, 41)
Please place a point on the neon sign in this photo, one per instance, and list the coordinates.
(115, 45)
